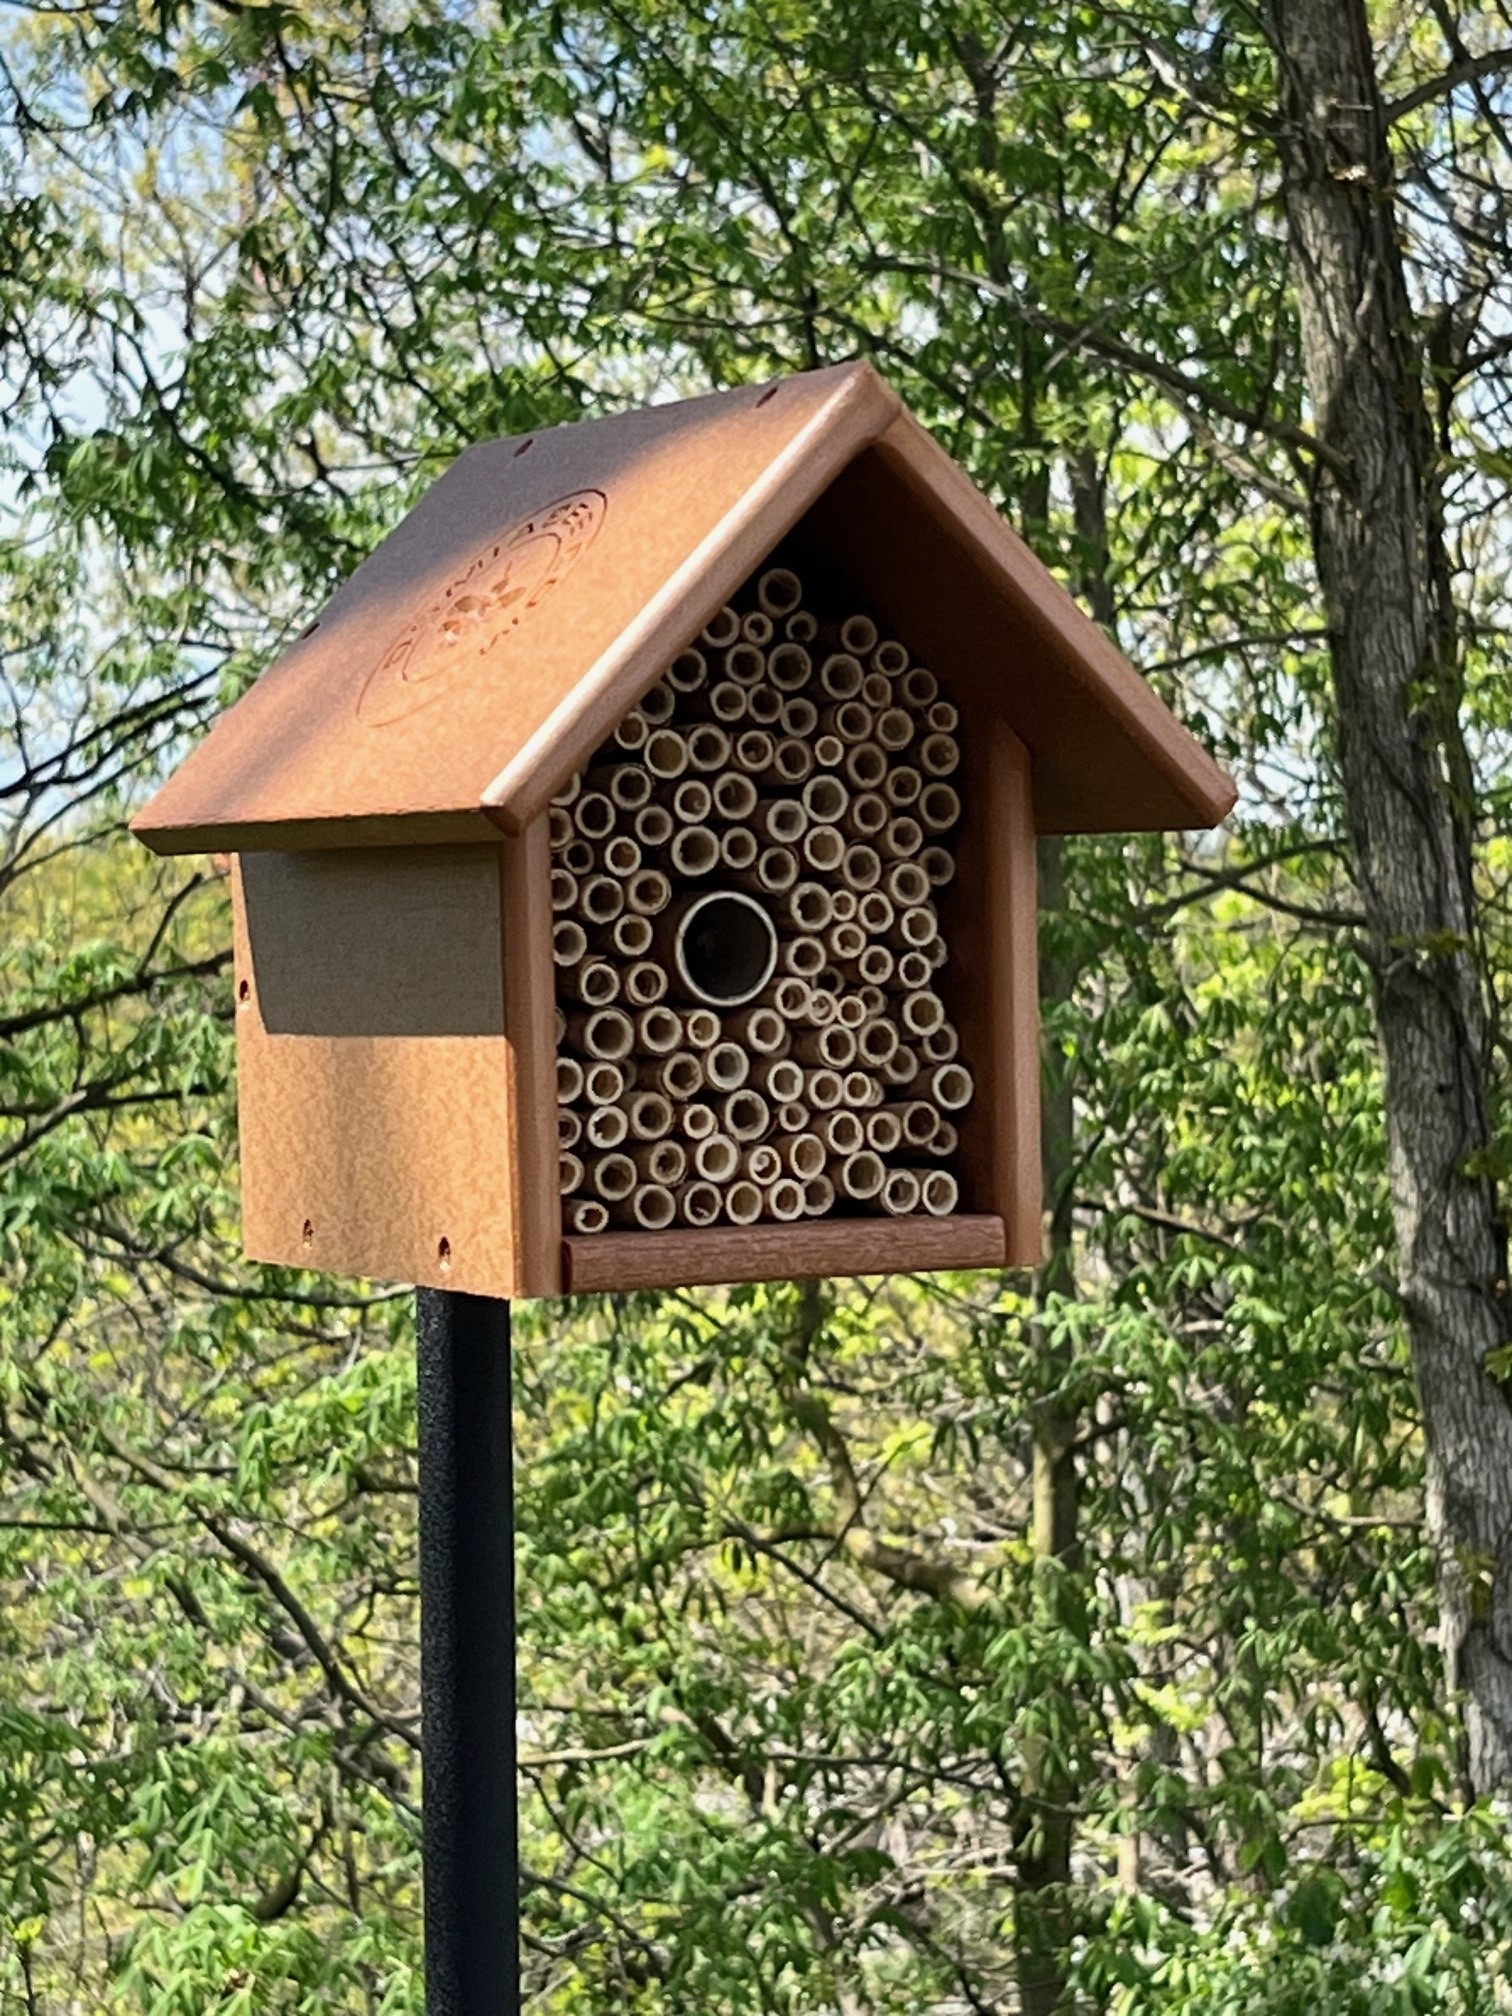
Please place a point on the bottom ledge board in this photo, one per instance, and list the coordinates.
(606, 1262)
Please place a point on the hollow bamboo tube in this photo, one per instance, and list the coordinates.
(876, 1042)
(821, 1004)
(648, 892)
(753, 752)
(850, 720)
(659, 705)
(559, 828)
(622, 855)
(792, 1117)
(907, 884)
(661, 1161)
(850, 1010)
(688, 671)
(789, 667)
(818, 1196)
(846, 943)
(601, 899)
(884, 1130)
(938, 864)
(824, 849)
(595, 983)
(735, 797)
(941, 1045)
(776, 870)
(801, 958)
(946, 1138)
(666, 754)
(578, 857)
(716, 1158)
(612, 1177)
(920, 1012)
(890, 658)
(873, 1000)
(604, 1083)
(802, 626)
(746, 1116)
(939, 807)
(649, 1115)
(586, 1215)
(569, 1080)
(726, 1067)
(792, 760)
(645, 983)
(914, 930)
(840, 676)
(918, 1119)
(652, 1207)
(862, 1090)
(843, 906)
(727, 702)
(943, 718)
(802, 1155)
(808, 906)
(564, 890)
(569, 790)
(861, 1176)
(627, 786)
(708, 748)
(569, 1128)
(859, 634)
(918, 687)
(861, 868)
(703, 1028)
(698, 1204)
(594, 815)
(902, 1067)
(876, 692)
(779, 591)
(780, 1078)
(760, 1163)
(767, 708)
(604, 1034)
(914, 971)
(606, 1127)
(762, 1031)
(939, 1192)
(632, 731)
(570, 1172)
(800, 717)
(866, 765)
(698, 1121)
(757, 627)
(874, 912)
(950, 1086)
(902, 785)
(824, 800)
(679, 1076)
(823, 1089)
(901, 839)
(867, 817)
(781, 821)
(745, 663)
(630, 935)
(721, 630)
(900, 1193)
(659, 1030)
(743, 1202)
(784, 1200)
(939, 755)
(692, 801)
(842, 1133)
(829, 752)
(738, 846)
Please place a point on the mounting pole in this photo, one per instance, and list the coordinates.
(467, 1656)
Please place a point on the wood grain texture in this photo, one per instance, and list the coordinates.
(620, 1261)
(530, 1139)
(1013, 994)
(363, 1152)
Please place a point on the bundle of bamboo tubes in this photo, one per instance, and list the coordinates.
(744, 884)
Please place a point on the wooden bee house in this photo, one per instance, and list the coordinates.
(635, 861)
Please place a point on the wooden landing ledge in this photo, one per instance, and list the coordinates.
(613, 1262)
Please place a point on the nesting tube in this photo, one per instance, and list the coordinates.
(949, 1085)
(571, 1173)
(631, 935)
(708, 748)
(825, 800)
(829, 752)
(918, 1119)
(660, 1161)
(789, 667)
(743, 1202)
(692, 801)
(802, 626)
(699, 1120)
(941, 1045)
(569, 790)
(653, 826)
(648, 892)
(735, 797)
(738, 847)
(569, 1127)
(850, 1010)
(759, 1030)
(721, 630)
(578, 857)
(884, 1130)
(601, 899)
(918, 687)
(861, 867)
(604, 1034)
(938, 864)
(908, 884)
(613, 1177)
(622, 855)
(746, 1115)
(559, 828)
(781, 1079)
(564, 890)
(890, 658)
(716, 1158)
(840, 676)
(698, 1204)
(792, 760)
(939, 1193)
(569, 1080)
(757, 627)
(850, 720)
(753, 752)
(808, 906)
(846, 942)
(688, 671)
(766, 707)
(914, 971)
(726, 1067)
(939, 807)
(868, 815)
(842, 1133)
(587, 1214)
(803, 958)
(727, 702)
(761, 1163)
(866, 765)
(658, 1030)
(666, 754)
(823, 849)
(680, 1076)
(703, 1028)
(876, 691)
(606, 1127)
(823, 1089)
(722, 946)
(921, 1012)
(780, 821)
(649, 1115)
(779, 591)
(947, 1138)
(902, 785)
(659, 705)
(801, 1154)
(861, 1176)
(902, 838)
(818, 1196)
(595, 983)
(800, 717)
(784, 1200)
(939, 755)
(652, 1207)
(594, 815)
(876, 1042)
(695, 851)
(900, 1193)
(843, 903)
(632, 732)
(745, 663)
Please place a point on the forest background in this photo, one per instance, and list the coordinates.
(1136, 1636)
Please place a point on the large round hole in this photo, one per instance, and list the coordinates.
(726, 948)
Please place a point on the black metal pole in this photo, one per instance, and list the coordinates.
(467, 1656)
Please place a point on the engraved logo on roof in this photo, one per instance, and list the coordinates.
(486, 602)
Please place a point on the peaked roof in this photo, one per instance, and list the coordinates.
(467, 668)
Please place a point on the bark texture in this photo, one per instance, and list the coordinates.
(1406, 784)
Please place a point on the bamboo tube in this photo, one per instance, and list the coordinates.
(802, 1155)
(630, 935)
(824, 848)
(606, 1127)
(846, 942)
(825, 800)
(753, 752)
(578, 857)
(692, 801)
(745, 663)
(587, 1215)
(564, 890)
(698, 1121)
(688, 671)
(800, 717)
(652, 1207)
(939, 755)
(649, 1115)
(949, 1085)
(612, 1177)
(760, 1163)
(908, 884)
(939, 808)
(659, 705)
(873, 1000)
(737, 845)
(679, 1076)
(601, 899)
(767, 707)
(779, 591)
(708, 747)
(850, 1011)
(780, 1078)
(789, 667)
(569, 1128)
(659, 1030)
(802, 958)
(884, 1130)
(667, 754)
(784, 1200)
(914, 972)
(901, 838)
(645, 983)
(876, 1042)
(746, 1115)
(861, 868)
(653, 826)
(569, 1080)
(604, 1083)
(861, 1176)
(866, 765)
(735, 797)
(938, 864)
(792, 760)
(594, 814)
(859, 634)
(842, 1133)
(941, 1045)
(721, 630)
(743, 1203)
(790, 997)
(622, 855)
(902, 1067)
(569, 790)
(757, 627)
(920, 1012)
(727, 702)
(759, 1030)
(782, 821)
(918, 687)
(823, 1089)
(792, 1117)
(627, 786)
(703, 1028)
(919, 1118)
(632, 731)
(661, 1161)
(648, 893)
(862, 1090)
(900, 1193)
(867, 816)
(939, 1192)
(595, 983)
(840, 676)
(802, 626)
(716, 1158)
(876, 692)
(943, 718)
(913, 929)
(818, 1196)
(559, 828)
(776, 870)
(843, 906)
(834, 1045)
(570, 1173)
(569, 941)
(902, 785)
(808, 906)
(891, 658)
(821, 1003)
(875, 913)
(946, 1139)
(726, 1067)
(829, 752)
(699, 1204)
(849, 720)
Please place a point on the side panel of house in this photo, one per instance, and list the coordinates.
(375, 1082)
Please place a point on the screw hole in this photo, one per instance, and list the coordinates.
(443, 1253)
(307, 1233)
(770, 393)
(244, 990)
(524, 448)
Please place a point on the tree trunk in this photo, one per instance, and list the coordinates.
(1382, 569)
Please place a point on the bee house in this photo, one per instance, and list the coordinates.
(635, 860)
